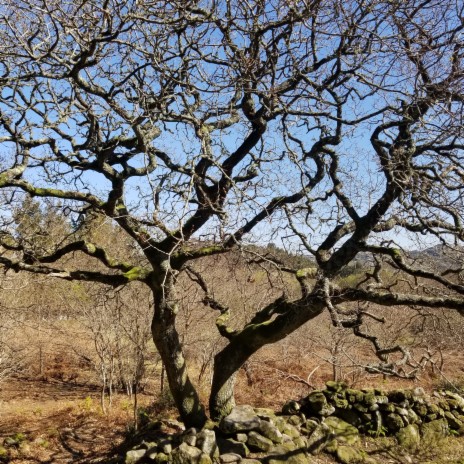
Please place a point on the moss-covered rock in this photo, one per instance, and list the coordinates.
(350, 416)
(387, 407)
(290, 408)
(295, 420)
(370, 398)
(241, 437)
(453, 422)
(420, 409)
(205, 459)
(290, 430)
(269, 430)
(443, 404)
(258, 442)
(435, 430)
(336, 386)
(134, 456)
(160, 458)
(454, 405)
(230, 458)
(394, 422)
(409, 438)
(3, 454)
(413, 418)
(341, 403)
(354, 396)
(349, 455)
(316, 404)
(457, 399)
(265, 413)
(206, 442)
(319, 438)
(309, 426)
(241, 419)
(227, 446)
(433, 409)
(186, 454)
(342, 431)
(287, 453)
(301, 442)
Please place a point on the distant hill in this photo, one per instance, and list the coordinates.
(440, 257)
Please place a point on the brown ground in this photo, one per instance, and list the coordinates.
(61, 423)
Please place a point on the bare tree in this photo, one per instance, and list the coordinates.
(11, 355)
(193, 126)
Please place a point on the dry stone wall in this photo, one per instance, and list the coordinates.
(329, 420)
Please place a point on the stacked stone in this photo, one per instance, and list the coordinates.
(245, 431)
(327, 420)
(261, 431)
(375, 412)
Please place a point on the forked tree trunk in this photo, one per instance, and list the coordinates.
(167, 342)
(241, 347)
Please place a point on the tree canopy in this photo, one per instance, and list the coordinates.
(331, 127)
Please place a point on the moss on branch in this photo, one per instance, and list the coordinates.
(307, 272)
(136, 273)
(188, 254)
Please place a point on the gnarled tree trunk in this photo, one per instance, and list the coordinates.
(168, 343)
(254, 336)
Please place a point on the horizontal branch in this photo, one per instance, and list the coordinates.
(113, 280)
(89, 249)
(52, 192)
(398, 299)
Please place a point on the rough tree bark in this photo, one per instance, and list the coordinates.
(167, 341)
